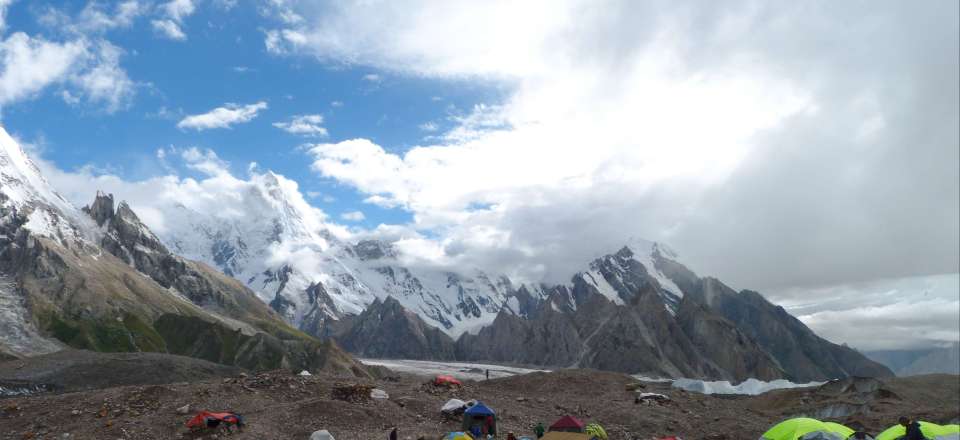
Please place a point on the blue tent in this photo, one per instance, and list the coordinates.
(479, 419)
(479, 409)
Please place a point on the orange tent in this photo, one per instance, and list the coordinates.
(446, 380)
(206, 419)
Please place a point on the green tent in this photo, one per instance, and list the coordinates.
(597, 431)
(839, 429)
(930, 430)
(807, 429)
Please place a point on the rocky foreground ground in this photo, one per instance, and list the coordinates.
(282, 405)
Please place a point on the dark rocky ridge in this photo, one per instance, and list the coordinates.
(387, 329)
(139, 297)
(717, 333)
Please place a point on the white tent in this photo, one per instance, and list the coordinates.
(453, 405)
(322, 434)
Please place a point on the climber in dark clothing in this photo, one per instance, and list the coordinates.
(393, 434)
(913, 429)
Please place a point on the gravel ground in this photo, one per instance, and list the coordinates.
(280, 405)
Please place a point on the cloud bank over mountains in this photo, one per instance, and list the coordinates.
(804, 150)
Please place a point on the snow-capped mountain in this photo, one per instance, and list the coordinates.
(99, 279)
(619, 276)
(271, 239)
(280, 247)
(25, 191)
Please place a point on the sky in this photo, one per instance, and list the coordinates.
(807, 150)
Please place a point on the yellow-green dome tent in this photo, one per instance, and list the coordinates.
(597, 431)
(931, 431)
(807, 429)
(839, 429)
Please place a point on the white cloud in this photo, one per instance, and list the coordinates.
(159, 201)
(85, 66)
(325, 198)
(279, 42)
(169, 29)
(429, 127)
(174, 11)
(4, 5)
(353, 216)
(31, 64)
(336, 103)
(304, 125)
(699, 126)
(179, 9)
(372, 77)
(204, 161)
(94, 18)
(226, 4)
(106, 82)
(317, 195)
(907, 313)
(223, 117)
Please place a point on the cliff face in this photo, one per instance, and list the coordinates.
(99, 279)
(638, 337)
(622, 316)
(387, 330)
(803, 355)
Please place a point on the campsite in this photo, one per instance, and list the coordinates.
(570, 404)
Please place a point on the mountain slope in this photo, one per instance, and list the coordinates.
(99, 279)
(640, 336)
(266, 267)
(804, 356)
(281, 248)
(916, 362)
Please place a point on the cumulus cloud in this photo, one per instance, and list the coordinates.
(820, 160)
(162, 201)
(85, 66)
(91, 68)
(169, 29)
(279, 42)
(907, 313)
(179, 9)
(174, 13)
(95, 18)
(353, 216)
(223, 117)
(31, 64)
(708, 105)
(105, 82)
(4, 4)
(304, 125)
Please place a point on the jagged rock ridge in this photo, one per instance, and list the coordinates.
(99, 279)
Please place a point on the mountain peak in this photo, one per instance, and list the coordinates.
(29, 194)
(101, 210)
(642, 246)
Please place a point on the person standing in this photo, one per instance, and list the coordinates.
(393, 433)
(488, 374)
(539, 430)
(912, 428)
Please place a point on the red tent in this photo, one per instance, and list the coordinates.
(446, 380)
(206, 419)
(567, 424)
